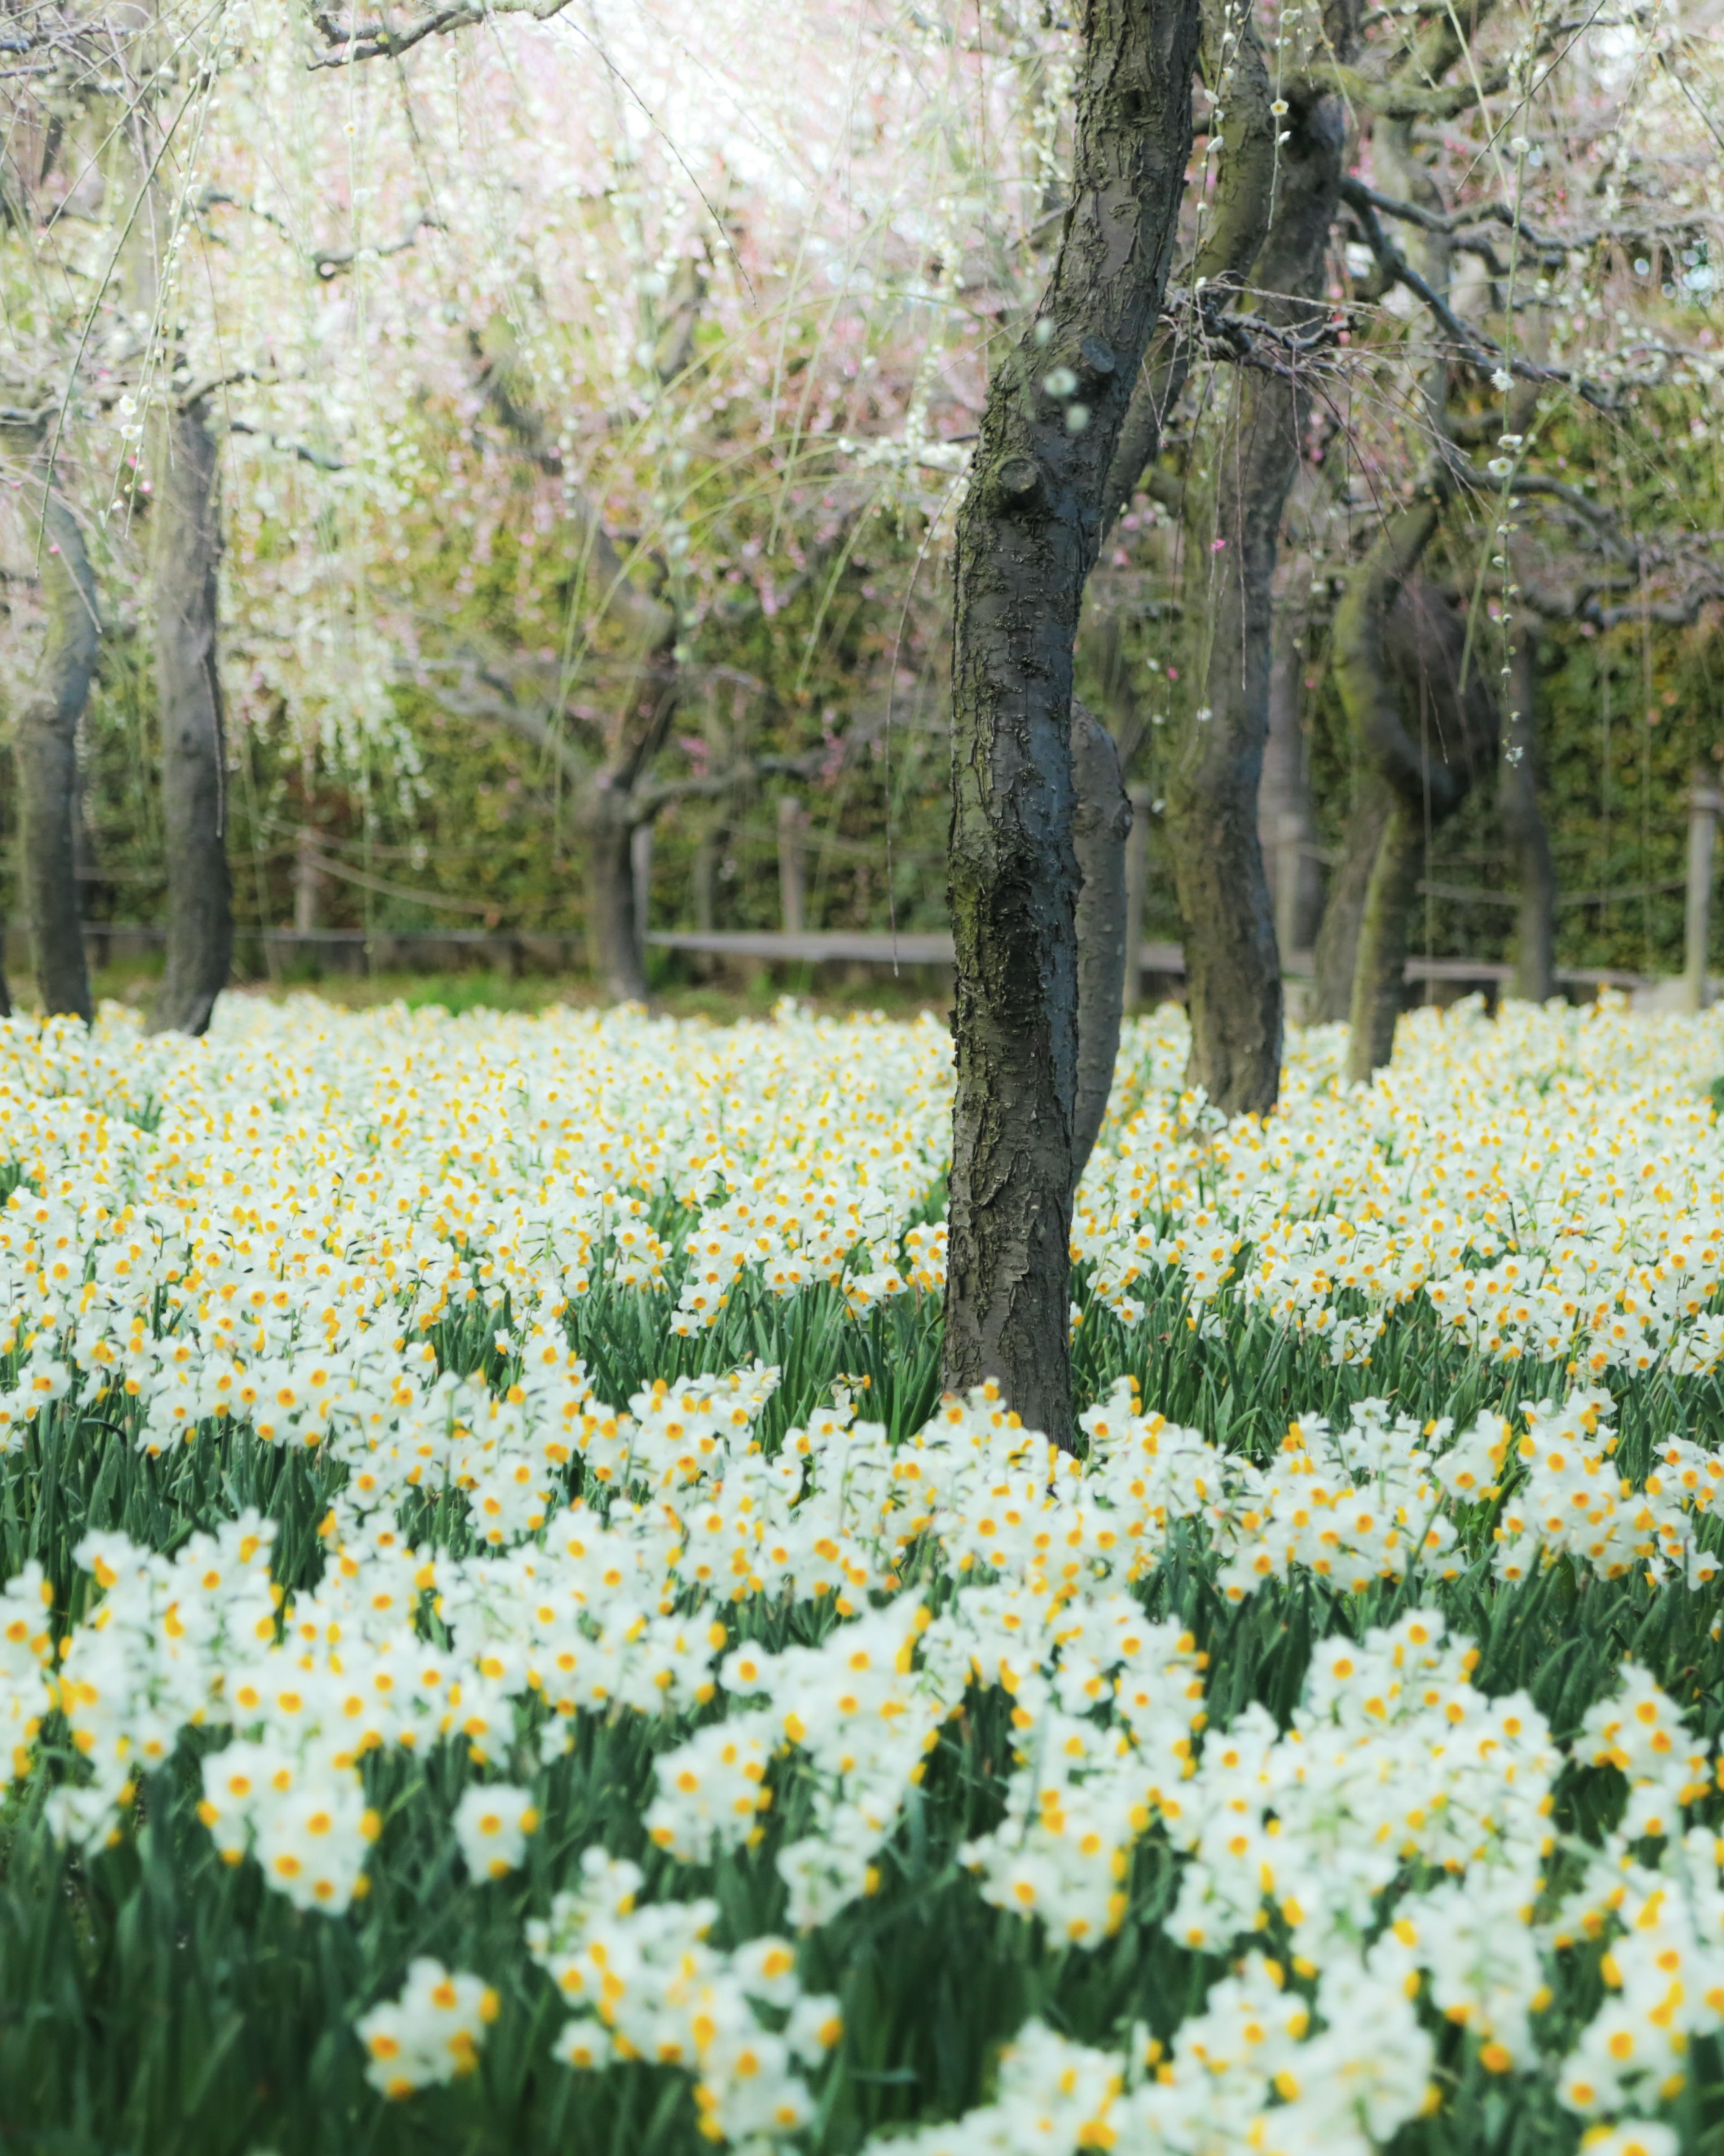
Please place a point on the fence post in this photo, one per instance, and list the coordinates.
(307, 882)
(1703, 805)
(790, 846)
(1137, 885)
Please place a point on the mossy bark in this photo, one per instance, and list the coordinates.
(1027, 539)
(200, 891)
(46, 757)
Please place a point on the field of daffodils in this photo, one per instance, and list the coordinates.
(504, 1647)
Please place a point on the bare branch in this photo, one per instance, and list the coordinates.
(1473, 346)
(330, 262)
(1552, 248)
(303, 450)
(327, 865)
(647, 801)
(370, 41)
(1582, 604)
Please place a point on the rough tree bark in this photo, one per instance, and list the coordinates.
(1100, 824)
(47, 754)
(1243, 464)
(1027, 540)
(200, 892)
(1424, 731)
(1529, 839)
(1235, 220)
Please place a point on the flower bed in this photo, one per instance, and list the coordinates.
(503, 1644)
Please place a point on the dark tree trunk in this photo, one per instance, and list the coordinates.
(1370, 698)
(1427, 732)
(1385, 925)
(1212, 750)
(47, 753)
(614, 807)
(200, 896)
(1244, 463)
(1235, 220)
(613, 933)
(1338, 944)
(1100, 824)
(1529, 840)
(1027, 540)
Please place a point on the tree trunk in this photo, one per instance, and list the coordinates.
(613, 933)
(1529, 840)
(1337, 944)
(1243, 462)
(1285, 823)
(1100, 825)
(1141, 800)
(1399, 643)
(1368, 697)
(632, 636)
(200, 898)
(640, 861)
(1027, 540)
(1234, 220)
(1384, 921)
(47, 753)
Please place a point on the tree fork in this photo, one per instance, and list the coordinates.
(1027, 538)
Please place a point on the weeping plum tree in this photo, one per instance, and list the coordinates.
(1027, 539)
(633, 674)
(629, 636)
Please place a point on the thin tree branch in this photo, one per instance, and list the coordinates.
(1474, 345)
